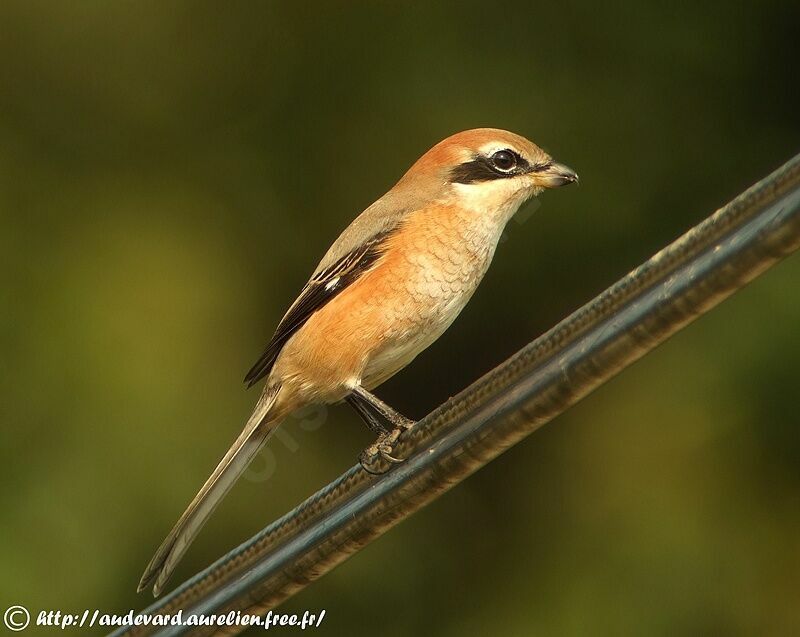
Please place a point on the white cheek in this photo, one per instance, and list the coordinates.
(498, 199)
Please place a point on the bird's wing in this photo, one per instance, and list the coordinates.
(323, 286)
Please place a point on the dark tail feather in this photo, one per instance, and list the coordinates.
(256, 432)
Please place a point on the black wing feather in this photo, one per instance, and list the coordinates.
(322, 287)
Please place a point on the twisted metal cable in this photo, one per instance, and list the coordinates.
(675, 286)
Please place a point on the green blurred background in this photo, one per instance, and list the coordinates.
(170, 173)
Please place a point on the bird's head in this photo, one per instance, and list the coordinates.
(488, 170)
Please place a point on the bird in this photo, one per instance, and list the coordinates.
(389, 286)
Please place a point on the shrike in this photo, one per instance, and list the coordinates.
(388, 287)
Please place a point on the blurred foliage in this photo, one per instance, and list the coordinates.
(170, 173)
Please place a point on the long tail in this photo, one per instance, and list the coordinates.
(253, 437)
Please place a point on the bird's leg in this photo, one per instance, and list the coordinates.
(371, 419)
(381, 418)
(394, 418)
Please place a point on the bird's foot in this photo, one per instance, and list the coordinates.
(383, 448)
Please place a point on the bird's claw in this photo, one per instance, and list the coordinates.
(386, 454)
(383, 447)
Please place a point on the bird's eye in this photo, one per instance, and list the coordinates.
(504, 160)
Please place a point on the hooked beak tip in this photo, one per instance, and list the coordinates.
(556, 175)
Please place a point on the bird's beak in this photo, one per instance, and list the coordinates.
(554, 175)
